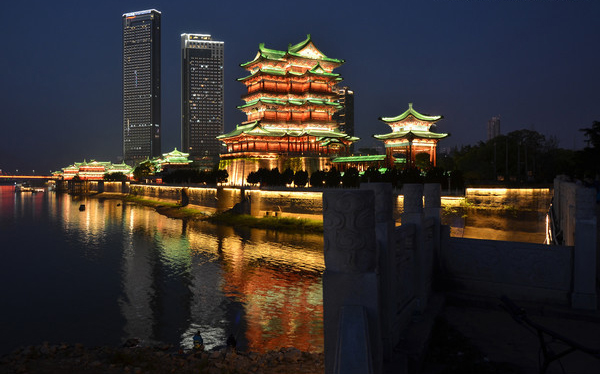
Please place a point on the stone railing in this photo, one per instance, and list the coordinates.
(377, 276)
(554, 274)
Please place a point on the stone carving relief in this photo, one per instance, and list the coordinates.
(349, 231)
(413, 198)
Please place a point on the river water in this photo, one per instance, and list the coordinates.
(116, 271)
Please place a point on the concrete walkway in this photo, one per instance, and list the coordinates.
(502, 340)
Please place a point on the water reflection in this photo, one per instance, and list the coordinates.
(521, 226)
(176, 277)
(118, 270)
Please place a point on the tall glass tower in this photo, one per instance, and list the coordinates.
(141, 85)
(202, 96)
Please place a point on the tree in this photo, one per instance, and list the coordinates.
(274, 177)
(422, 160)
(221, 175)
(588, 159)
(253, 178)
(118, 176)
(287, 177)
(371, 175)
(351, 178)
(300, 178)
(143, 170)
(592, 135)
(333, 178)
(317, 178)
(518, 156)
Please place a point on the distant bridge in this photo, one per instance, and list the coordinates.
(25, 177)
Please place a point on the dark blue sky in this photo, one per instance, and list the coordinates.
(536, 63)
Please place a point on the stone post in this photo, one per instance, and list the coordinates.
(433, 210)
(384, 233)
(255, 203)
(584, 261)
(223, 199)
(413, 213)
(185, 199)
(350, 277)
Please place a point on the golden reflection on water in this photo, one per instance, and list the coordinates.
(276, 277)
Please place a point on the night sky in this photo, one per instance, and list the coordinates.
(536, 63)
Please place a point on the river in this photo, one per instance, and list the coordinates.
(116, 271)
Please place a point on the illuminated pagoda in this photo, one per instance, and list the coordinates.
(289, 105)
(410, 136)
(93, 170)
(172, 160)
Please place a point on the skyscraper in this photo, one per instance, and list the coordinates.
(493, 127)
(141, 85)
(202, 95)
(345, 116)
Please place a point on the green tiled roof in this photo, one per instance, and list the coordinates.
(415, 133)
(264, 70)
(273, 54)
(366, 158)
(269, 100)
(316, 70)
(422, 117)
(256, 129)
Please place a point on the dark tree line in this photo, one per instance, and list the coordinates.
(116, 177)
(352, 178)
(519, 157)
(196, 176)
(522, 156)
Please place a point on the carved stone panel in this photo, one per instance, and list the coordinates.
(349, 231)
(413, 198)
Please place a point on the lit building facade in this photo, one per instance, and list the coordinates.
(345, 116)
(93, 170)
(202, 96)
(141, 85)
(410, 136)
(171, 161)
(290, 100)
(493, 127)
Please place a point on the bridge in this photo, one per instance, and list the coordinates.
(5, 177)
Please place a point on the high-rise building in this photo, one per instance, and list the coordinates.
(202, 95)
(493, 127)
(345, 116)
(141, 85)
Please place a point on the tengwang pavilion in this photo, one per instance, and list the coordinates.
(289, 105)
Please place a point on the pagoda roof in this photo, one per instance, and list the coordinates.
(176, 153)
(414, 113)
(366, 158)
(407, 133)
(269, 100)
(256, 129)
(304, 49)
(175, 156)
(316, 70)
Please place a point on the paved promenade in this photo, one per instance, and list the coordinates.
(502, 340)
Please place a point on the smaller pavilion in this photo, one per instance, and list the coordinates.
(93, 170)
(171, 161)
(410, 136)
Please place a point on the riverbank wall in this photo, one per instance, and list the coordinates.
(305, 203)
